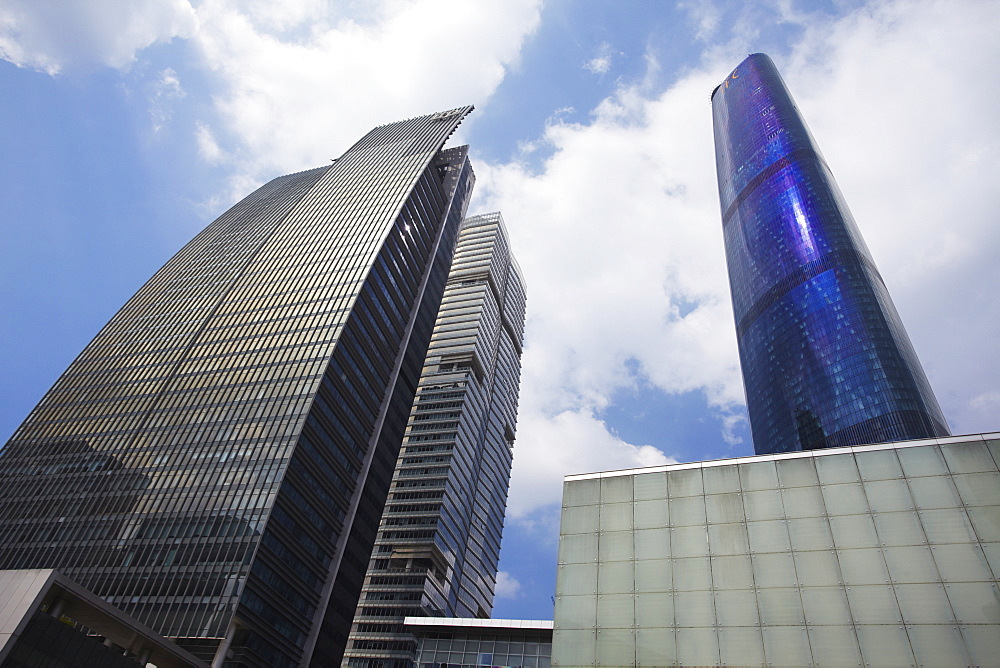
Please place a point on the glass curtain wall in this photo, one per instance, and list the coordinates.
(214, 461)
(438, 547)
(825, 358)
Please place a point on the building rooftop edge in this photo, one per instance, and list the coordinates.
(475, 622)
(783, 455)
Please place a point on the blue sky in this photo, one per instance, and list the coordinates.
(126, 128)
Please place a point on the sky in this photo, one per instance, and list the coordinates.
(125, 128)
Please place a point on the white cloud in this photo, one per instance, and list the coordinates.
(208, 148)
(507, 586)
(290, 98)
(53, 35)
(601, 63)
(165, 92)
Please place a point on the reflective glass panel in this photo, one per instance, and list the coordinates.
(853, 531)
(986, 520)
(651, 514)
(938, 645)
(728, 539)
(615, 647)
(655, 647)
(769, 536)
(723, 508)
(615, 611)
(693, 573)
(922, 461)
(763, 505)
(979, 489)
(924, 603)
(803, 502)
(961, 563)
(616, 546)
(787, 646)
(580, 519)
(947, 525)
(685, 482)
(577, 579)
(835, 645)
(741, 647)
(811, 533)
(825, 605)
(885, 645)
(873, 604)
(577, 612)
(648, 486)
(689, 541)
(910, 564)
(654, 575)
(934, 492)
(799, 472)
(582, 492)
(975, 603)
(780, 606)
(983, 643)
(578, 548)
(687, 511)
(694, 608)
(835, 469)
(616, 577)
(733, 572)
(861, 567)
(697, 647)
(652, 544)
(654, 609)
(848, 499)
(758, 476)
(721, 479)
(899, 529)
(817, 569)
(736, 607)
(774, 570)
(616, 516)
(878, 465)
(972, 457)
(616, 489)
(886, 496)
(574, 648)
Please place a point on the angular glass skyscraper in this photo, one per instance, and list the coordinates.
(216, 460)
(438, 547)
(826, 361)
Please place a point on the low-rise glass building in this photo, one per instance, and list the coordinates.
(454, 642)
(881, 554)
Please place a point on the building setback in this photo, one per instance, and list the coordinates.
(826, 361)
(438, 547)
(215, 461)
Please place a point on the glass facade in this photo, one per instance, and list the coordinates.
(881, 555)
(215, 461)
(481, 643)
(826, 361)
(438, 546)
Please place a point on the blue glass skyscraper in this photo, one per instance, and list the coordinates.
(826, 361)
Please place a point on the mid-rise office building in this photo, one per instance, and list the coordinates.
(215, 462)
(874, 555)
(826, 361)
(438, 547)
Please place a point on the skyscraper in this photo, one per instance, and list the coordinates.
(215, 461)
(826, 361)
(438, 547)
